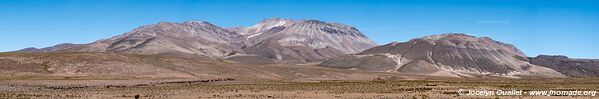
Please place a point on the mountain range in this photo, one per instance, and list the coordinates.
(284, 41)
(273, 40)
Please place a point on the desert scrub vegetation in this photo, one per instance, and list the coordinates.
(327, 86)
(400, 86)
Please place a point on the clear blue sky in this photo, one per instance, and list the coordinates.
(565, 27)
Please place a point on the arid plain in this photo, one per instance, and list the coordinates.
(234, 80)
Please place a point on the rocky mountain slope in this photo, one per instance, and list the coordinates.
(272, 40)
(191, 38)
(303, 40)
(568, 66)
(445, 55)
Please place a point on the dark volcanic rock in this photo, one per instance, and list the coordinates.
(568, 66)
(446, 55)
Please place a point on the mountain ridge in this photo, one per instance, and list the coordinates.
(453, 54)
(203, 39)
(568, 66)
